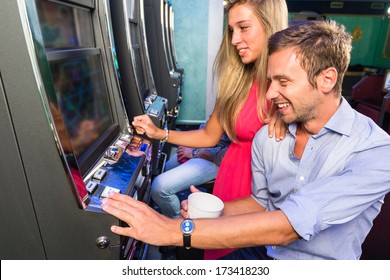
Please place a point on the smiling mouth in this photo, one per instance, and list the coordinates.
(242, 51)
(283, 105)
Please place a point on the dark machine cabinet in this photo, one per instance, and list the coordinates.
(134, 83)
(169, 19)
(134, 70)
(168, 82)
(16, 209)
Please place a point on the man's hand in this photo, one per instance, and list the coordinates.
(143, 222)
(184, 203)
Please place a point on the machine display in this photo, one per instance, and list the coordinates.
(84, 105)
(64, 26)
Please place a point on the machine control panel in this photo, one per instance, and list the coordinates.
(121, 170)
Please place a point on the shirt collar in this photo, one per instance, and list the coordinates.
(341, 122)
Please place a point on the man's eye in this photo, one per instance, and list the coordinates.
(283, 82)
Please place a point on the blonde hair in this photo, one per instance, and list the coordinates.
(236, 78)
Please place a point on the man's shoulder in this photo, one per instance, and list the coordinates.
(261, 135)
(262, 131)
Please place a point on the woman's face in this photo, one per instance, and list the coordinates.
(248, 33)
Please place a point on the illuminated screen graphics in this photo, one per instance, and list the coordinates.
(82, 96)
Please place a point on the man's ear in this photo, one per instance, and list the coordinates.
(328, 79)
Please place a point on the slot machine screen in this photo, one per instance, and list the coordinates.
(78, 78)
(82, 96)
(139, 72)
(65, 26)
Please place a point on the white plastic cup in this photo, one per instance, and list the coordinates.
(204, 205)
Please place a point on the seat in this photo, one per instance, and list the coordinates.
(376, 246)
(384, 120)
(208, 186)
(350, 79)
(367, 96)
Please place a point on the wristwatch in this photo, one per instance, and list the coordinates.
(187, 226)
(194, 152)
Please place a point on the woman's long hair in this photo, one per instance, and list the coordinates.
(236, 78)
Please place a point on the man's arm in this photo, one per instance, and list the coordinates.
(251, 229)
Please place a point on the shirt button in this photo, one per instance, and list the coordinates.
(302, 178)
(273, 247)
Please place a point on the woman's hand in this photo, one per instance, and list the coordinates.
(276, 126)
(144, 125)
(184, 203)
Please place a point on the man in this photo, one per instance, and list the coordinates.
(314, 194)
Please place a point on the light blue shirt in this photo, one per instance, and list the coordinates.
(333, 193)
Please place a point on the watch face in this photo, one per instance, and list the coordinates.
(187, 226)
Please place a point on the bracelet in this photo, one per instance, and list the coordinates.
(165, 139)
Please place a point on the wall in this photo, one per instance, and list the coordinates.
(368, 48)
(198, 33)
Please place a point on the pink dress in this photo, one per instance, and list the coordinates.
(234, 176)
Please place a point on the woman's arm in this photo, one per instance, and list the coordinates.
(199, 138)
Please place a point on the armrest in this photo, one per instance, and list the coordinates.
(385, 112)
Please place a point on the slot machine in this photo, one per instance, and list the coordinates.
(171, 39)
(167, 81)
(169, 36)
(67, 139)
(134, 70)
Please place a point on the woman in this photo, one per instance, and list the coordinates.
(241, 108)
